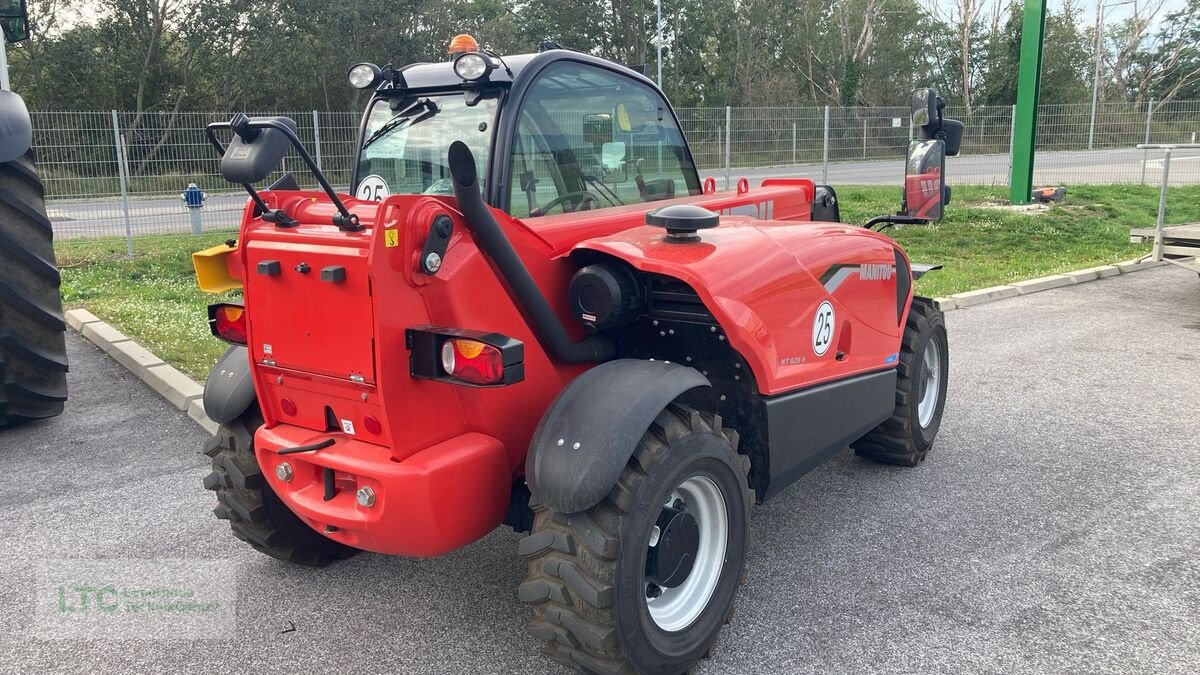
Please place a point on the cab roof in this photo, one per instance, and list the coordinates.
(435, 76)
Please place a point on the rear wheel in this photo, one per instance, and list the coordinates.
(906, 437)
(644, 580)
(33, 351)
(255, 513)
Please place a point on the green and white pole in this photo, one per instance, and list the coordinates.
(1020, 182)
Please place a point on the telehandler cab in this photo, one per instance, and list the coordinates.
(533, 311)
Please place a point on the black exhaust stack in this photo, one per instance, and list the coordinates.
(520, 285)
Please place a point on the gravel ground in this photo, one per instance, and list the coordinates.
(1055, 528)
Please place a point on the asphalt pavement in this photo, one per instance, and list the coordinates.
(223, 211)
(1055, 527)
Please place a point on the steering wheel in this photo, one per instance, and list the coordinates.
(584, 197)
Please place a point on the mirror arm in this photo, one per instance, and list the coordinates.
(889, 220)
(344, 220)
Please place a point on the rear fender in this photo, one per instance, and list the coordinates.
(16, 128)
(591, 430)
(229, 391)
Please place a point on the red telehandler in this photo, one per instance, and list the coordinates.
(533, 311)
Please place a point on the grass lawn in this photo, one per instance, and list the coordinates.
(153, 297)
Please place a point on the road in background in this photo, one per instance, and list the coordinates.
(1054, 528)
(105, 217)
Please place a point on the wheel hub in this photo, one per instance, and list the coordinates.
(670, 562)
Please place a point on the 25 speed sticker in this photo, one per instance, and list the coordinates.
(822, 334)
(373, 188)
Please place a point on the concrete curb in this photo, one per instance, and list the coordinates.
(186, 394)
(986, 295)
(178, 389)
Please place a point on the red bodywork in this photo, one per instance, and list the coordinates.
(444, 460)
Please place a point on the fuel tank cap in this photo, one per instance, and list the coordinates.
(682, 220)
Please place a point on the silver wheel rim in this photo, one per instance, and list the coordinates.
(931, 382)
(677, 608)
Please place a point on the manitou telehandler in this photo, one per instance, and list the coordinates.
(33, 350)
(534, 312)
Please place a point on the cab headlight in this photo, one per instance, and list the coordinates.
(473, 66)
(364, 76)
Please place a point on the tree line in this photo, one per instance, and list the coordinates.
(170, 56)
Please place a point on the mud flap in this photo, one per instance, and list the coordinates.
(229, 391)
(585, 439)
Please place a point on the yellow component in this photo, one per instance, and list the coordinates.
(469, 348)
(232, 312)
(391, 238)
(463, 43)
(212, 272)
(623, 122)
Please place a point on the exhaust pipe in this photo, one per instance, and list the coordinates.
(517, 281)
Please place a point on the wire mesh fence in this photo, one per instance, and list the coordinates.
(111, 173)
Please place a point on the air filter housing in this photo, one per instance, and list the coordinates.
(605, 295)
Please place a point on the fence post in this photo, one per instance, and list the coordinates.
(1012, 138)
(728, 157)
(825, 153)
(1146, 153)
(1162, 205)
(119, 143)
(317, 139)
(864, 138)
(794, 142)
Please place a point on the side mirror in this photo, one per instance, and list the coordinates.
(598, 128)
(926, 107)
(612, 161)
(14, 19)
(254, 153)
(923, 106)
(924, 180)
(612, 155)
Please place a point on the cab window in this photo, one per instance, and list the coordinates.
(588, 138)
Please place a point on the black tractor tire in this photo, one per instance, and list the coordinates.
(33, 349)
(588, 572)
(902, 439)
(255, 513)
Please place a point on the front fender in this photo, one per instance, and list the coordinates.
(16, 128)
(590, 431)
(229, 391)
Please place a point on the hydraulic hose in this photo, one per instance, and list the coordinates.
(517, 280)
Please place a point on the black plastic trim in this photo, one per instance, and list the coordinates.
(806, 427)
(586, 437)
(229, 391)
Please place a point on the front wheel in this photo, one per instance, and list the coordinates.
(906, 437)
(644, 580)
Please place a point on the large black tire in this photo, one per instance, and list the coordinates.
(255, 513)
(588, 572)
(904, 438)
(33, 350)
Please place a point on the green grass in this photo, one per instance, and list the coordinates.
(153, 297)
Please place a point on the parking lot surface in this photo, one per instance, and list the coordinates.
(1054, 528)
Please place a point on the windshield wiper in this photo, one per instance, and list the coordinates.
(405, 115)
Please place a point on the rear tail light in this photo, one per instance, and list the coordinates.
(228, 322)
(472, 361)
(471, 358)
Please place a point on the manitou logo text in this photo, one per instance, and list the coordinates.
(875, 272)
